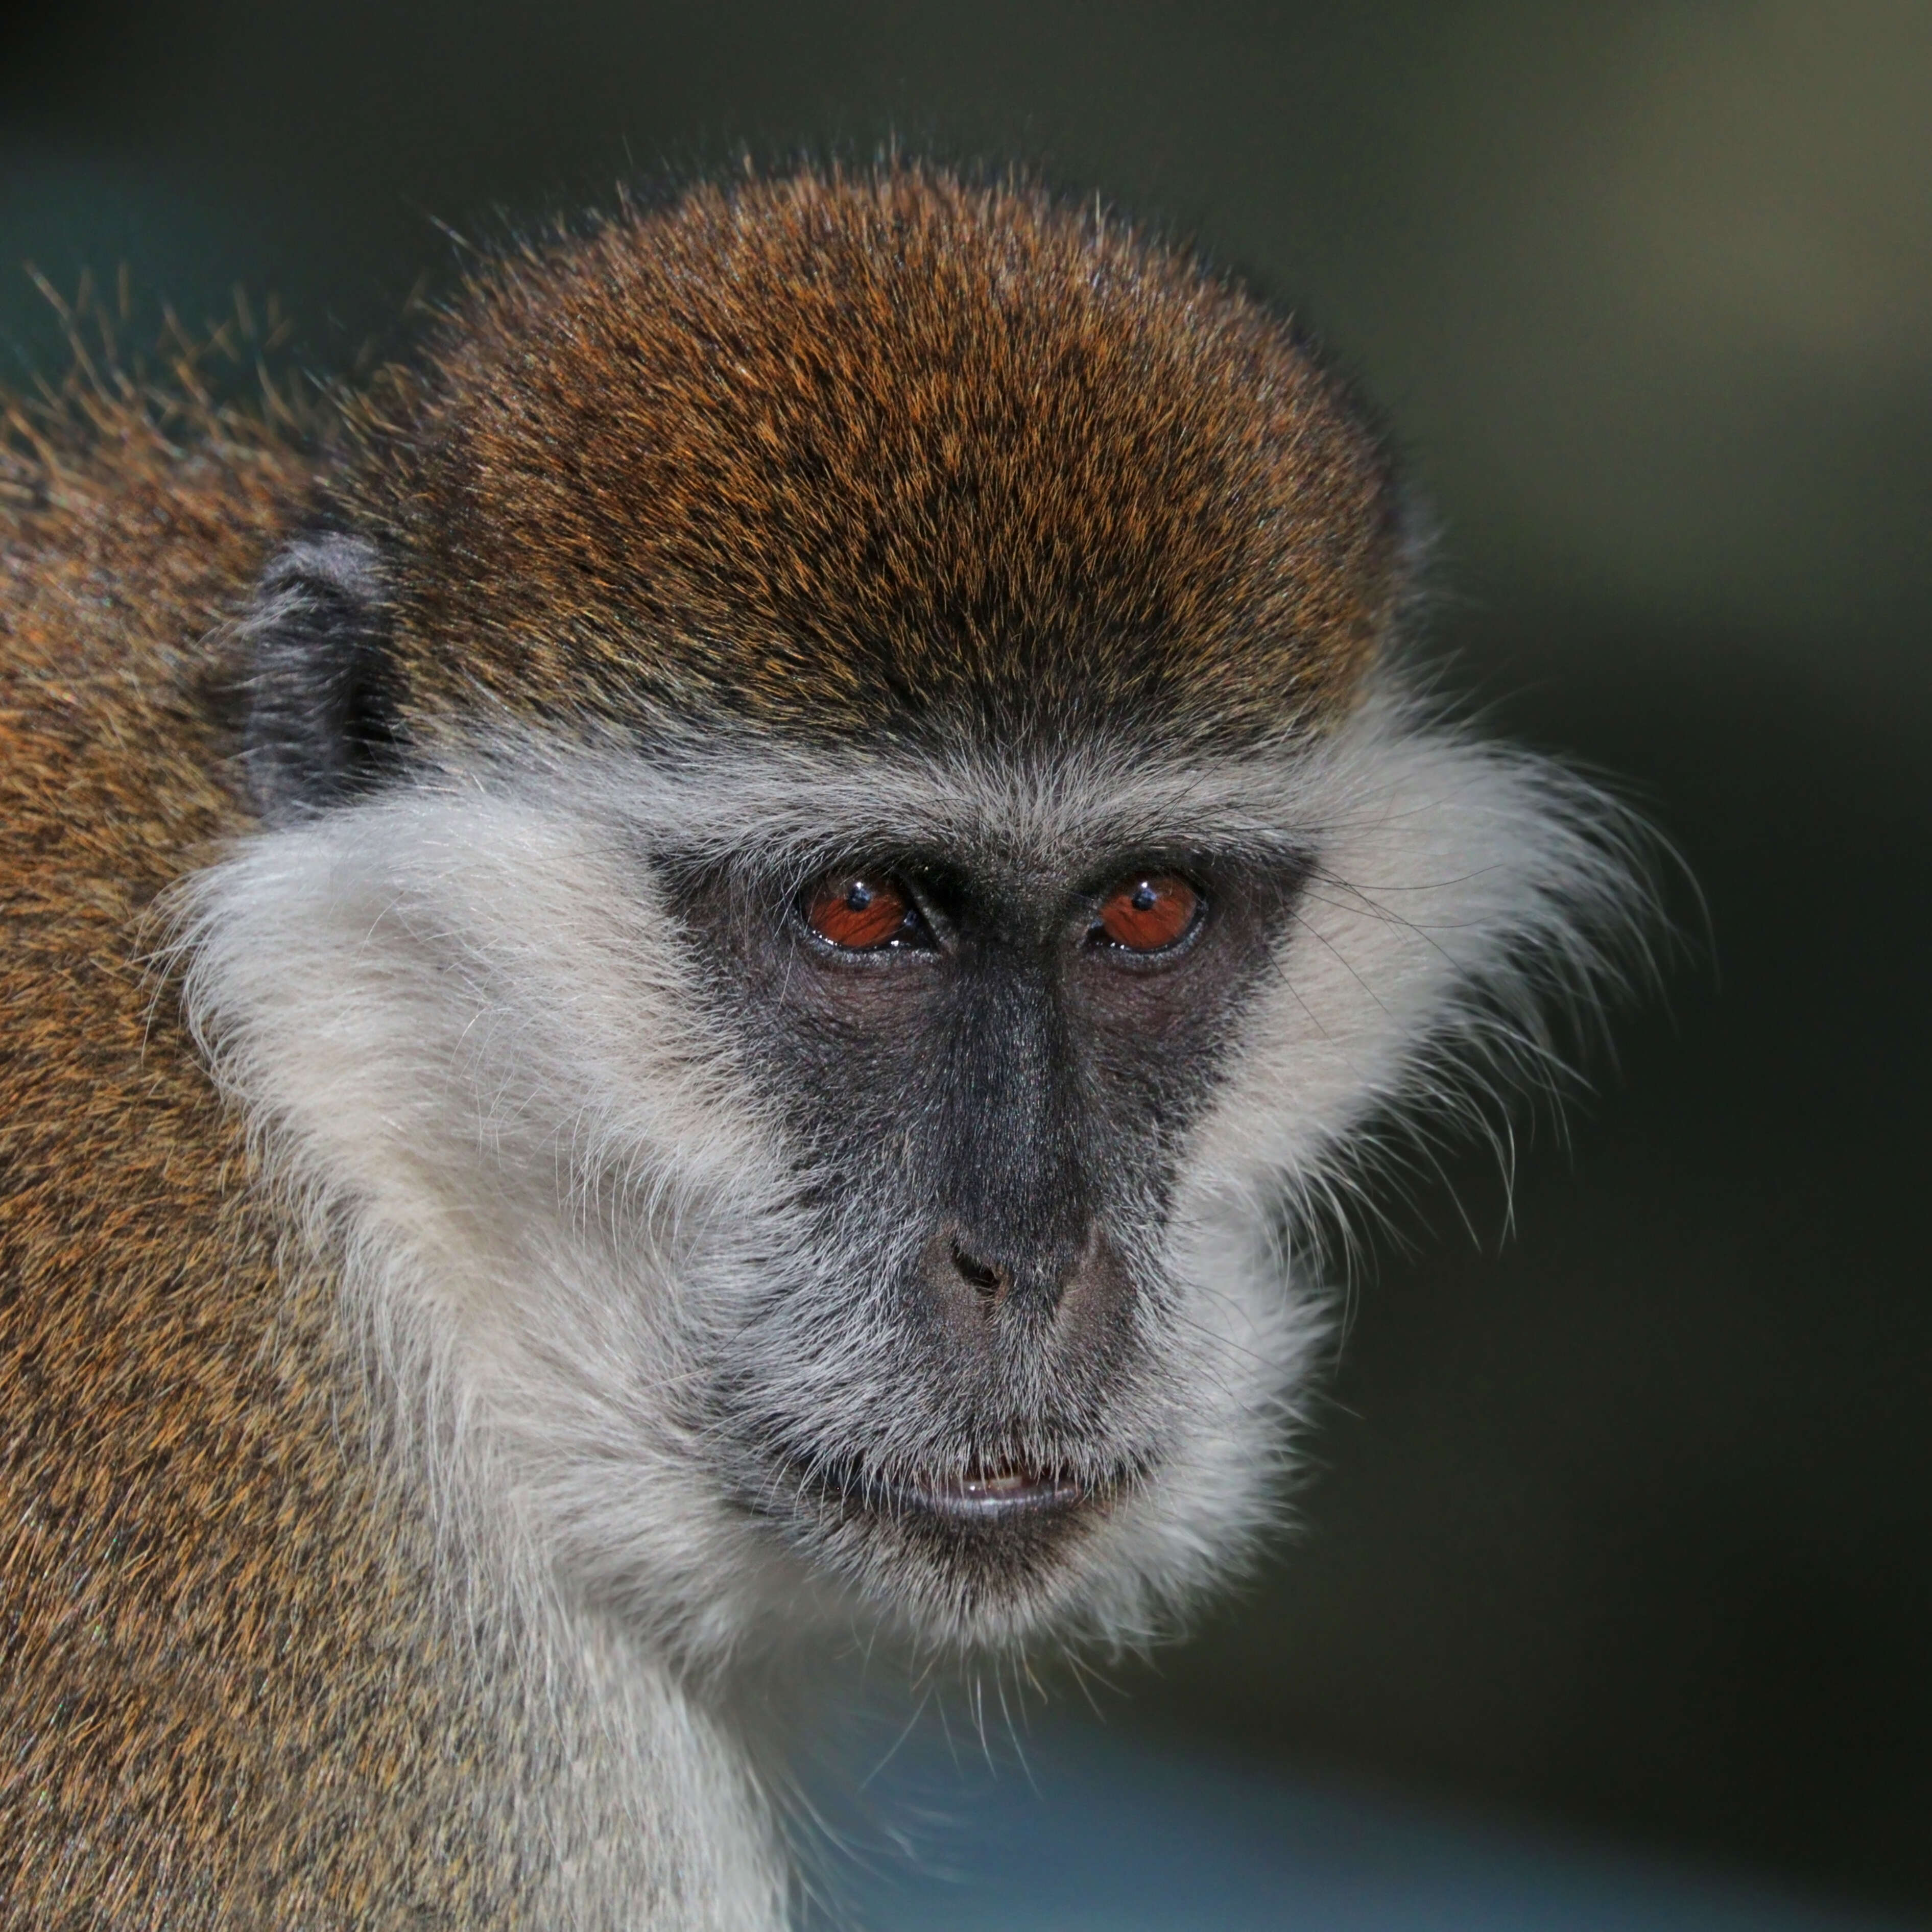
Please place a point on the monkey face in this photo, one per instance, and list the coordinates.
(988, 1066)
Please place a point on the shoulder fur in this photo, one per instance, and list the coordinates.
(170, 1448)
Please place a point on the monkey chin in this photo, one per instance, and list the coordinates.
(999, 1553)
(1009, 1548)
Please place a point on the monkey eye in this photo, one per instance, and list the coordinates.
(864, 912)
(1147, 912)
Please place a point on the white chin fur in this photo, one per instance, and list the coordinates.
(465, 1037)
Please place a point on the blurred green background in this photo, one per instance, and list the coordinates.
(1624, 1519)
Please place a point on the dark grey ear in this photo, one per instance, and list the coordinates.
(321, 719)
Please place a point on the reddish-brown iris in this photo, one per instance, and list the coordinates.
(1149, 914)
(858, 911)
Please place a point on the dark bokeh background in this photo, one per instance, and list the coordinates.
(1625, 1520)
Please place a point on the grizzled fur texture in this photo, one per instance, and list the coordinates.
(514, 1271)
(898, 459)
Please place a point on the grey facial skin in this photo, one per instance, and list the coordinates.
(988, 1108)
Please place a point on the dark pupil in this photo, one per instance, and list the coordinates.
(859, 897)
(1145, 896)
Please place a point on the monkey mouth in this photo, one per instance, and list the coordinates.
(988, 1493)
(993, 1493)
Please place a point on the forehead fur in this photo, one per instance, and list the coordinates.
(891, 455)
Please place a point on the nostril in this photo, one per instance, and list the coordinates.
(989, 1280)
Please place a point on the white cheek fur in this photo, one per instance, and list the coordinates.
(469, 1051)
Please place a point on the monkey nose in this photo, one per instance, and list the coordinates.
(972, 1276)
(986, 1278)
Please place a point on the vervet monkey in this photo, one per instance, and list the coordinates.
(817, 860)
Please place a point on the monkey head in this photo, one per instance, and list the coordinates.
(844, 868)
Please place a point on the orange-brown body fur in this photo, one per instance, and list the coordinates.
(216, 1687)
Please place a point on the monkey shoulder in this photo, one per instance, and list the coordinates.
(205, 1608)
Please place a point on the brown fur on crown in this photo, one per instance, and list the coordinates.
(877, 455)
(224, 1701)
